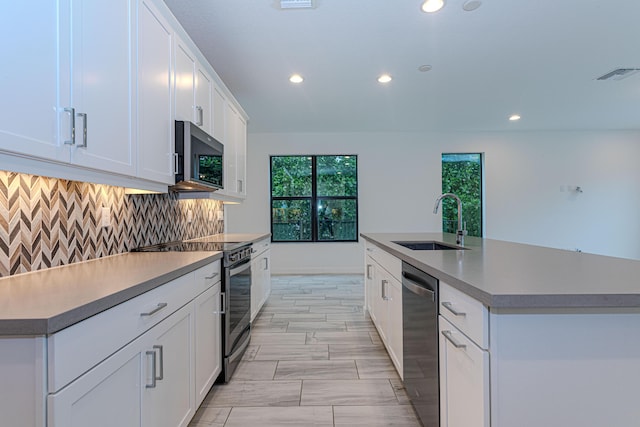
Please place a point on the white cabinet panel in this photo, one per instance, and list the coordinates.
(97, 80)
(185, 68)
(204, 102)
(28, 115)
(260, 275)
(464, 380)
(208, 351)
(108, 395)
(219, 101)
(170, 398)
(155, 124)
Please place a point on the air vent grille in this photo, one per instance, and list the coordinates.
(296, 4)
(619, 74)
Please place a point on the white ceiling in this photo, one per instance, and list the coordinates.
(537, 58)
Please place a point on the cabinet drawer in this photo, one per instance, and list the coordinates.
(469, 315)
(259, 247)
(78, 348)
(387, 261)
(206, 276)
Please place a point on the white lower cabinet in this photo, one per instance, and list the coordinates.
(159, 378)
(149, 381)
(384, 300)
(464, 380)
(260, 275)
(207, 341)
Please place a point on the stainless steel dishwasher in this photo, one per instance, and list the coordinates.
(420, 343)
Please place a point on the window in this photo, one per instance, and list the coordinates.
(314, 198)
(462, 175)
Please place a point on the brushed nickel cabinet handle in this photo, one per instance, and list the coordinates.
(449, 307)
(84, 130)
(153, 368)
(449, 337)
(72, 126)
(161, 352)
(159, 307)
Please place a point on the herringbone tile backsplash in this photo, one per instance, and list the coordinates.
(46, 222)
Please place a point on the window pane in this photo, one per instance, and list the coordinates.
(337, 175)
(337, 219)
(462, 175)
(291, 220)
(291, 176)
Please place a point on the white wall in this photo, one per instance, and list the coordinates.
(400, 178)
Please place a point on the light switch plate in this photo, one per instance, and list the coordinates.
(189, 216)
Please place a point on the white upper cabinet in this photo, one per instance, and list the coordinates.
(155, 119)
(204, 100)
(28, 119)
(219, 101)
(97, 83)
(184, 71)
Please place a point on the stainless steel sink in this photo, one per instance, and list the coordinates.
(428, 245)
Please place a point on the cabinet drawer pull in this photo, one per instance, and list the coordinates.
(369, 276)
(449, 307)
(159, 307)
(449, 337)
(266, 264)
(153, 369)
(211, 277)
(199, 115)
(384, 290)
(369, 249)
(160, 350)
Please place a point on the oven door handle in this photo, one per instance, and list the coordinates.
(245, 265)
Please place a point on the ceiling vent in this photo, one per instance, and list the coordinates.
(296, 4)
(619, 74)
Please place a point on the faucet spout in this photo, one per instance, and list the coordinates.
(461, 232)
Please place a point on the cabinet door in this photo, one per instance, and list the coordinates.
(219, 101)
(380, 295)
(464, 380)
(28, 119)
(256, 286)
(241, 156)
(170, 398)
(208, 350)
(155, 124)
(97, 79)
(394, 322)
(204, 87)
(185, 68)
(230, 172)
(108, 395)
(266, 279)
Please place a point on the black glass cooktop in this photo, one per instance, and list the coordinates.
(191, 246)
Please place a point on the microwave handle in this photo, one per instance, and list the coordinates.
(175, 164)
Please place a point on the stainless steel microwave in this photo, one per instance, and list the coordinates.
(199, 159)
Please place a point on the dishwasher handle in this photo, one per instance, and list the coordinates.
(417, 288)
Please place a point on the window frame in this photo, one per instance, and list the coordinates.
(482, 186)
(314, 199)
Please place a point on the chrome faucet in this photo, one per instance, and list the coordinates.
(461, 230)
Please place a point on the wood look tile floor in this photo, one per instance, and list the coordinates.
(315, 359)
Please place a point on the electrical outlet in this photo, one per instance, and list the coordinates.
(219, 215)
(189, 216)
(211, 216)
(106, 217)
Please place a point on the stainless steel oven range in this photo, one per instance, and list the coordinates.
(235, 294)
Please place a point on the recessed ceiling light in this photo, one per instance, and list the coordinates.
(430, 6)
(471, 5)
(514, 117)
(296, 78)
(424, 68)
(385, 78)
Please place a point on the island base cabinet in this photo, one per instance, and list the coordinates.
(146, 383)
(571, 367)
(464, 379)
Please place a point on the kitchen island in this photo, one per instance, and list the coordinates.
(558, 341)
